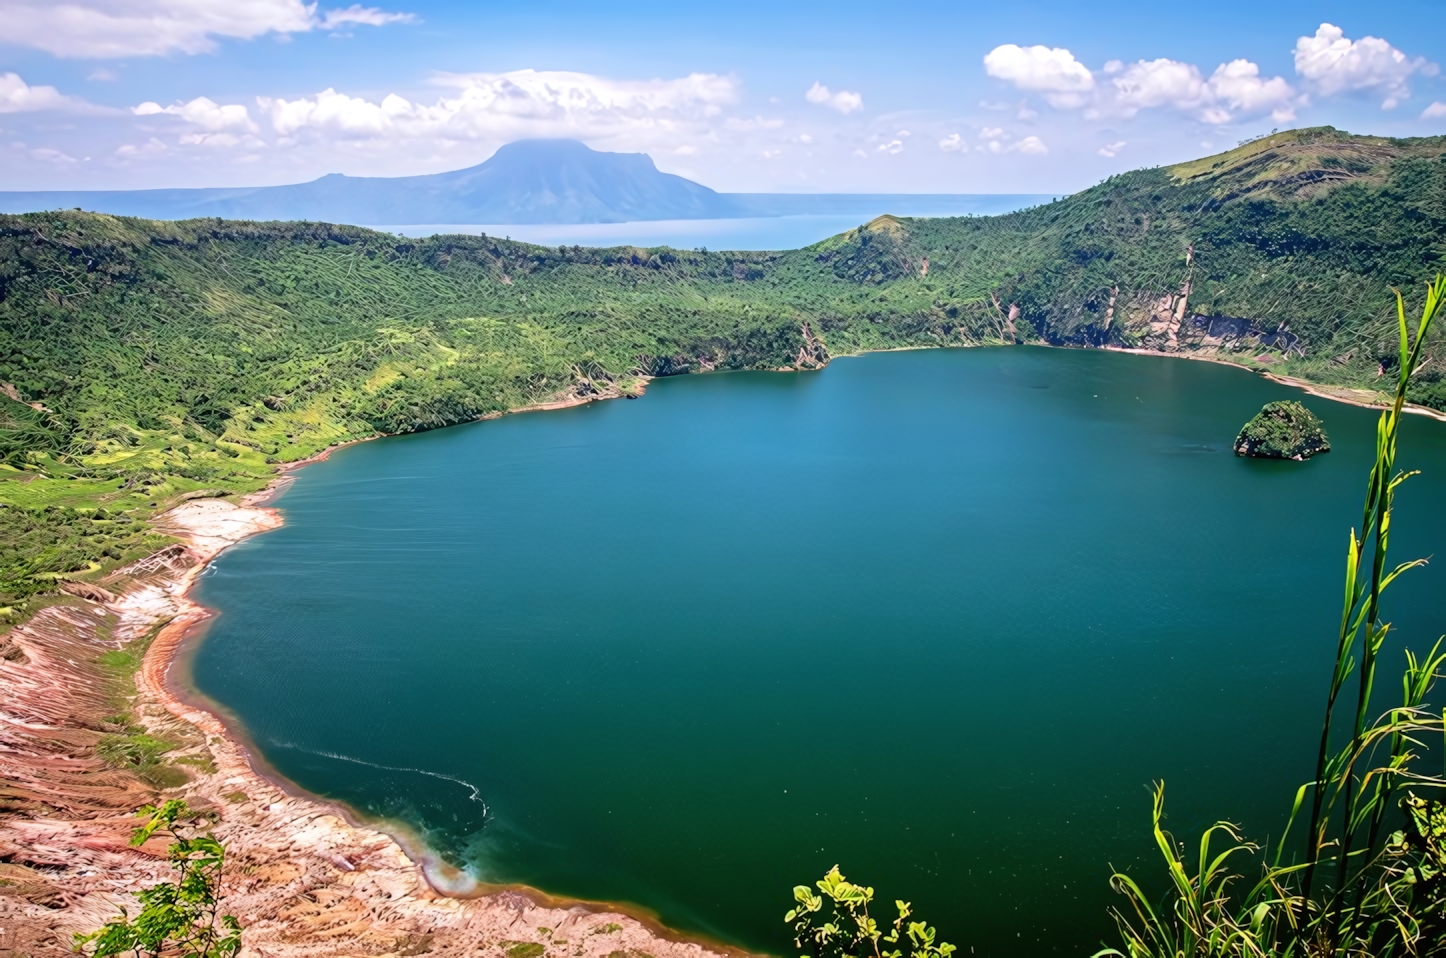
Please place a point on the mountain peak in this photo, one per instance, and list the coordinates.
(565, 181)
(543, 147)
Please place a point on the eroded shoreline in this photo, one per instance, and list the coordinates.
(305, 876)
(313, 878)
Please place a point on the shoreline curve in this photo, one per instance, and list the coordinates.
(332, 881)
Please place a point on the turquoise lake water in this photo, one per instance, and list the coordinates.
(938, 616)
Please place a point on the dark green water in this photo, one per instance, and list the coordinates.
(938, 616)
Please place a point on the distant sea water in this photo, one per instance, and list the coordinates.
(938, 616)
(747, 233)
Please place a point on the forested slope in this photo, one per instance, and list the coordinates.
(145, 360)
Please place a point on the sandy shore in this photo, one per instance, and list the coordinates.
(1346, 394)
(304, 880)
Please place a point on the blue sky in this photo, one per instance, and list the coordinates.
(877, 97)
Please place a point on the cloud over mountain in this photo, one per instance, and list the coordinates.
(522, 103)
(1067, 84)
(1330, 63)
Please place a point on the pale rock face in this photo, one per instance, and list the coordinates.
(211, 525)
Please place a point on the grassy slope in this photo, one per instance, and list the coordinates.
(182, 358)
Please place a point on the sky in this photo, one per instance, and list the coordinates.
(962, 97)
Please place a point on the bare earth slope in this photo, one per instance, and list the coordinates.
(303, 880)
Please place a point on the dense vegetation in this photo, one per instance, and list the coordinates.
(142, 361)
(1282, 430)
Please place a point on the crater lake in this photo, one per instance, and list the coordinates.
(940, 617)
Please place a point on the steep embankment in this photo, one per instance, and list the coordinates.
(147, 360)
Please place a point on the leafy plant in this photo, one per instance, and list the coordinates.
(1351, 886)
(179, 919)
(848, 931)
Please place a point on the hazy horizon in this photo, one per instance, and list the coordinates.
(1033, 98)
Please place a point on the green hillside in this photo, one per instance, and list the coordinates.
(142, 360)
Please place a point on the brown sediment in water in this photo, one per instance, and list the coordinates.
(305, 877)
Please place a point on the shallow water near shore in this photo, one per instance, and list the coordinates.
(938, 616)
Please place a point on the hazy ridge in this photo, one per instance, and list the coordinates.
(530, 181)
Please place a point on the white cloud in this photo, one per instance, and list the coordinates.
(893, 146)
(1052, 71)
(1239, 85)
(220, 140)
(953, 144)
(338, 113)
(1234, 87)
(367, 16)
(998, 142)
(203, 112)
(17, 96)
(1434, 110)
(459, 123)
(523, 103)
(152, 147)
(844, 101)
(46, 154)
(1154, 83)
(1330, 63)
(1067, 84)
(123, 28)
(1112, 149)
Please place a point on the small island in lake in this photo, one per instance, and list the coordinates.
(1282, 430)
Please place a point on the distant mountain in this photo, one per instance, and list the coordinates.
(530, 181)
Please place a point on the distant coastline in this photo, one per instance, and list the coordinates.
(524, 182)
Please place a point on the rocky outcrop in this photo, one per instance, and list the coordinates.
(1282, 430)
(812, 353)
